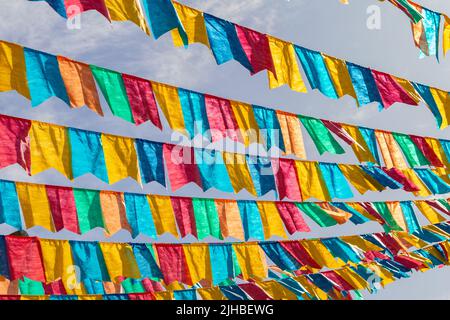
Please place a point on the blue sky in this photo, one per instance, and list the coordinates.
(323, 25)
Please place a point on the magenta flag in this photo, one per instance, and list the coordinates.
(286, 179)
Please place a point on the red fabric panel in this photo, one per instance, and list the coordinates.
(180, 166)
(173, 263)
(398, 176)
(286, 179)
(184, 214)
(85, 5)
(62, 205)
(299, 253)
(428, 152)
(255, 292)
(14, 142)
(221, 119)
(292, 217)
(390, 91)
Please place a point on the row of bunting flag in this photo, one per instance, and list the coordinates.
(37, 146)
(327, 264)
(136, 100)
(82, 210)
(333, 77)
(426, 27)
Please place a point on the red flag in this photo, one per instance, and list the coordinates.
(63, 208)
(390, 91)
(142, 100)
(14, 142)
(141, 296)
(398, 176)
(184, 214)
(427, 151)
(338, 282)
(409, 262)
(292, 217)
(255, 292)
(287, 180)
(173, 263)
(221, 119)
(296, 250)
(55, 288)
(337, 129)
(75, 7)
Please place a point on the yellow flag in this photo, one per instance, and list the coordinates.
(359, 179)
(360, 147)
(252, 260)
(89, 297)
(272, 223)
(164, 295)
(169, 102)
(113, 210)
(120, 261)
(292, 134)
(390, 151)
(243, 113)
(286, 66)
(442, 100)
(239, 173)
(276, 291)
(50, 148)
(212, 293)
(163, 215)
(385, 276)
(57, 260)
(446, 35)
(432, 215)
(311, 182)
(230, 219)
(319, 252)
(351, 277)
(120, 158)
(35, 206)
(127, 10)
(34, 297)
(312, 289)
(198, 261)
(193, 23)
(13, 75)
(361, 243)
(339, 75)
(412, 176)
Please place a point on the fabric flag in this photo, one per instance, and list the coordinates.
(364, 84)
(221, 119)
(287, 179)
(436, 100)
(426, 33)
(300, 254)
(50, 148)
(419, 187)
(335, 181)
(142, 100)
(44, 77)
(262, 174)
(86, 5)
(285, 64)
(312, 184)
(292, 134)
(245, 119)
(184, 215)
(317, 214)
(151, 163)
(181, 168)
(57, 5)
(256, 47)
(390, 91)
(89, 259)
(224, 41)
(412, 153)
(269, 127)
(13, 74)
(186, 295)
(198, 262)
(163, 215)
(340, 76)
(280, 256)
(360, 143)
(167, 254)
(338, 130)
(120, 158)
(222, 265)
(435, 184)
(360, 179)
(139, 216)
(271, 220)
(87, 154)
(251, 261)
(427, 150)
(446, 34)
(410, 217)
(251, 220)
(292, 217)
(239, 172)
(24, 258)
(9, 205)
(321, 255)
(80, 84)
(409, 8)
(206, 218)
(63, 209)
(194, 113)
(389, 150)
(230, 219)
(162, 18)
(113, 209)
(169, 102)
(145, 259)
(112, 86)
(119, 260)
(322, 138)
(212, 170)
(35, 206)
(382, 177)
(89, 209)
(57, 260)
(193, 24)
(314, 67)
(15, 142)
(370, 139)
(127, 10)
(234, 293)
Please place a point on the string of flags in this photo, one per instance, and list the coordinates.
(191, 113)
(256, 51)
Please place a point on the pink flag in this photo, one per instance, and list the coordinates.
(256, 48)
(221, 119)
(55, 288)
(14, 142)
(63, 208)
(255, 292)
(142, 100)
(184, 214)
(409, 262)
(299, 253)
(338, 281)
(390, 91)
(173, 263)
(24, 256)
(428, 152)
(292, 217)
(398, 176)
(287, 180)
(75, 7)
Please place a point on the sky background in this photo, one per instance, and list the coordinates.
(323, 25)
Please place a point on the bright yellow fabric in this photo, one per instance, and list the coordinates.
(169, 102)
(91, 297)
(408, 240)
(245, 119)
(446, 34)
(13, 74)
(432, 215)
(355, 280)
(271, 220)
(113, 210)
(359, 179)
(163, 215)
(313, 290)
(57, 259)
(291, 134)
(390, 151)
(212, 293)
(239, 173)
(35, 205)
(311, 182)
(50, 148)
(440, 153)
(360, 147)
(436, 230)
(198, 261)
(276, 290)
(442, 173)
(408, 87)
(230, 219)
(193, 24)
(412, 176)
(442, 100)
(127, 10)
(397, 214)
(361, 243)
(339, 75)
(164, 295)
(34, 298)
(252, 260)
(119, 260)
(385, 276)
(337, 214)
(319, 252)
(120, 158)
(286, 66)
